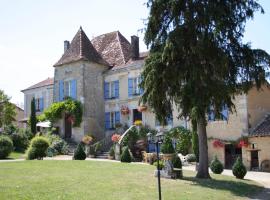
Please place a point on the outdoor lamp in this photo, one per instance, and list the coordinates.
(150, 137)
(160, 137)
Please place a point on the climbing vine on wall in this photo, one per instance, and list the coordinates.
(69, 107)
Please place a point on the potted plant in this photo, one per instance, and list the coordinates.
(142, 108)
(167, 149)
(124, 110)
(111, 153)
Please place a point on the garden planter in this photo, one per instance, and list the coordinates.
(168, 156)
(142, 108)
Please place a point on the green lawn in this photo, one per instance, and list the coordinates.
(107, 181)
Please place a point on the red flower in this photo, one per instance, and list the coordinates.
(218, 143)
(242, 143)
(116, 137)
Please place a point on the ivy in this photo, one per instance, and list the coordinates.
(69, 107)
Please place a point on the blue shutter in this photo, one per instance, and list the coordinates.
(61, 90)
(170, 120)
(140, 81)
(41, 104)
(116, 89)
(117, 117)
(151, 148)
(130, 87)
(106, 90)
(224, 112)
(107, 120)
(74, 89)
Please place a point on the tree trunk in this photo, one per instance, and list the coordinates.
(203, 150)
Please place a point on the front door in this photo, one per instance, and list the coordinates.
(137, 115)
(231, 154)
(68, 126)
(254, 160)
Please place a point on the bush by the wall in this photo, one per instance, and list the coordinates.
(6, 146)
(176, 161)
(191, 157)
(125, 156)
(239, 170)
(20, 141)
(161, 164)
(79, 153)
(38, 148)
(216, 166)
(112, 152)
(183, 137)
(57, 144)
(167, 147)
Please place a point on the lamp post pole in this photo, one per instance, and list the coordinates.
(158, 170)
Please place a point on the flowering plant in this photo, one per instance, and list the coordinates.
(116, 137)
(124, 110)
(218, 143)
(138, 123)
(87, 139)
(142, 108)
(71, 119)
(242, 143)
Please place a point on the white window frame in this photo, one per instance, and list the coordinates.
(112, 120)
(111, 90)
(67, 89)
(136, 88)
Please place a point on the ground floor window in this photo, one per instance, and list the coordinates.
(111, 119)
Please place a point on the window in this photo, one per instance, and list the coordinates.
(223, 115)
(67, 89)
(111, 119)
(134, 86)
(111, 90)
(39, 104)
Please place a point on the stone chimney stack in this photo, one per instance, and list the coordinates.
(66, 45)
(135, 47)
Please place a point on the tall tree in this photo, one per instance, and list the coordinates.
(198, 59)
(7, 110)
(33, 117)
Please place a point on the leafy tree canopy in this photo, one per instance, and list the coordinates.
(7, 110)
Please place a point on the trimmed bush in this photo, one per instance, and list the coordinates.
(125, 156)
(79, 153)
(38, 148)
(191, 157)
(161, 164)
(167, 147)
(183, 137)
(176, 161)
(58, 146)
(20, 141)
(216, 166)
(239, 170)
(6, 146)
(111, 152)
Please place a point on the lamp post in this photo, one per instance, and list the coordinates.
(157, 139)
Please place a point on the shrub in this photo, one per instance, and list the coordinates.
(20, 141)
(161, 164)
(6, 146)
(216, 166)
(111, 152)
(191, 157)
(239, 170)
(57, 145)
(27, 132)
(167, 147)
(38, 148)
(79, 153)
(125, 156)
(184, 139)
(176, 161)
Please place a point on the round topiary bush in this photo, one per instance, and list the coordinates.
(239, 170)
(216, 166)
(79, 153)
(6, 146)
(20, 141)
(176, 161)
(125, 156)
(167, 147)
(38, 148)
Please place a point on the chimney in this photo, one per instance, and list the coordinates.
(134, 47)
(66, 45)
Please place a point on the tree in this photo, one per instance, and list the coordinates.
(195, 140)
(197, 59)
(7, 110)
(33, 117)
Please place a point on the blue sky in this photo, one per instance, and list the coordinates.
(32, 33)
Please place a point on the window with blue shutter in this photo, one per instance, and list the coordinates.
(141, 89)
(73, 89)
(224, 113)
(106, 90)
(116, 89)
(222, 116)
(130, 87)
(107, 121)
(41, 104)
(61, 90)
(117, 117)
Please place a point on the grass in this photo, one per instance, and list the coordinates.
(16, 155)
(71, 180)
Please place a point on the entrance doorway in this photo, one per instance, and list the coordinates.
(137, 115)
(254, 160)
(68, 126)
(232, 152)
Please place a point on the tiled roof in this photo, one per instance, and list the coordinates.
(113, 47)
(262, 129)
(81, 49)
(48, 81)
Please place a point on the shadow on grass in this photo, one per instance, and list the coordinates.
(241, 188)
